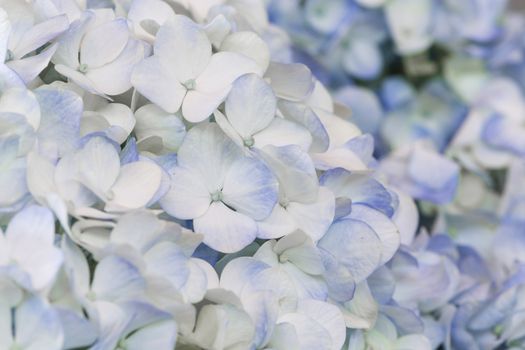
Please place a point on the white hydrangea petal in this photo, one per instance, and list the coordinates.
(181, 43)
(250, 188)
(413, 342)
(158, 84)
(30, 67)
(69, 42)
(249, 44)
(327, 315)
(284, 337)
(160, 335)
(120, 70)
(34, 223)
(5, 30)
(76, 266)
(40, 34)
(111, 321)
(38, 326)
(136, 185)
(188, 196)
(116, 278)
(282, 132)
(223, 69)
(142, 11)
(361, 312)
(99, 165)
(224, 229)
(209, 152)
(21, 101)
(95, 52)
(310, 333)
(60, 113)
(78, 331)
(239, 272)
(295, 171)
(251, 105)
(383, 227)
(137, 228)
(290, 81)
(198, 105)
(152, 120)
(355, 245)
(278, 224)
(314, 218)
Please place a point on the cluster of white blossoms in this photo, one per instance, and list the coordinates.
(168, 179)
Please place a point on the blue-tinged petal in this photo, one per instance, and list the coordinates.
(306, 117)
(263, 308)
(240, 271)
(295, 171)
(98, 164)
(494, 312)
(21, 101)
(188, 196)
(224, 229)
(95, 52)
(30, 67)
(396, 92)
(363, 59)
(504, 134)
(282, 132)
(406, 218)
(314, 218)
(159, 335)
(382, 284)
(361, 312)
(59, 129)
(40, 34)
(182, 45)
(158, 84)
(250, 188)
(120, 70)
(116, 278)
(33, 223)
(359, 188)
(38, 326)
(382, 226)
(251, 105)
(406, 320)
(209, 152)
(78, 331)
(366, 108)
(355, 245)
(111, 321)
(166, 260)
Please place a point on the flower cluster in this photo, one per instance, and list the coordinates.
(439, 84)
(169, 178)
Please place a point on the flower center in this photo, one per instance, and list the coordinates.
(248, 142)
(83, 68)
(284, 202)
(189, 84)
(216, 196)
